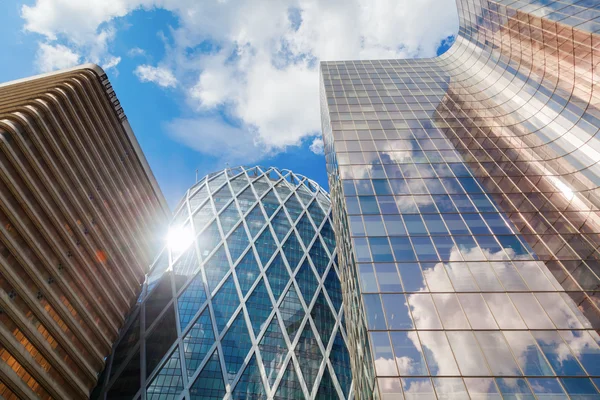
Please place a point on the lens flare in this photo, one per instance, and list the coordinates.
(179, 238)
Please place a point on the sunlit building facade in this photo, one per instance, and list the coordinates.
(244, 302)
(466, 210)
(79, 215)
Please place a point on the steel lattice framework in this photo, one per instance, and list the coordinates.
(252, 309)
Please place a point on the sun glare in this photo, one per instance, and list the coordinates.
(179, 238)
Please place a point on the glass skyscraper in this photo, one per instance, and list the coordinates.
(243, 303)
(466, 208)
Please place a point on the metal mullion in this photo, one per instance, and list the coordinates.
(179, 340)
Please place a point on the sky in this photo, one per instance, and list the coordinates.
(216, 83)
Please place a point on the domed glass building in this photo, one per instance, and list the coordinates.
(244, 301)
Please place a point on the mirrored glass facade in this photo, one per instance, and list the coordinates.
(465, 199)
(244, 303)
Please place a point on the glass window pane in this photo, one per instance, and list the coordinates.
(412, 277)
(367, 278)
(530, 310)
(446, 248)
(476, 224)
(504, 311)
(482, 389)
(580, 389)
(509, 276)
(461, 277)
(396, 311)
(557, 353)
(414, 225)
(388, 278)
(528, 355)
(575, 310)
(478, 314)
(450, 311)
(585, 347)
(374, 311)
(455, 224)
(361, 249)
(390, 388)
(409, 356)
(558, 310)
(423, 311)
(436, 277)
(450, 389)
(467, 353)
(485, 276)
(424, 249)
(368, 204)
(406, 204)
(547, 389)
(438, 353)
(383, 354)
(514, 389)
(463, 204)
(403, 251)
(444, 204)
(434, 223)
(380, 249)
(417, 388)
(394, 225)
(535, 278)
(356, 225)
(497, 353)
(374, 225)
(469, 250)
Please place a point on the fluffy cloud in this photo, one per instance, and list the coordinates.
(51, 57)
(77, 19)
(210, 135)
(317, 146)
(111, 62)
(263, 68)
(159, 75)
(135, 52)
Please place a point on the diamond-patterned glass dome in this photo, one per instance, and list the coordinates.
(244, 303)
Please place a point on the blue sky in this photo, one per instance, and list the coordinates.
(215, 83)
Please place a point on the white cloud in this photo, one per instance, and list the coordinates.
(264, 71)
(78, 20)
(317, 146)
(136, 51)
(112, 62)
(159, 75)
(212, 136)
(50, 58)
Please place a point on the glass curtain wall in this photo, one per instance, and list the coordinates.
(465, 198)
(245, 300)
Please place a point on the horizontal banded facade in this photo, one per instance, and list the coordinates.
(79, 216)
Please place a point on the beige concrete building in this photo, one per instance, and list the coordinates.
(80, 215)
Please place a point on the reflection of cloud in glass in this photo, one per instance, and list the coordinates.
(482, 389)
(385, 366)
(417, 388)
(490, 310)
(438, 353)
(390, 388)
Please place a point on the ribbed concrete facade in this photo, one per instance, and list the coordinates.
(79, 211)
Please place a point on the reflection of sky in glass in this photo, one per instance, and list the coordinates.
(446, 262)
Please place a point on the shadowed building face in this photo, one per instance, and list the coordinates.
(465, 202)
